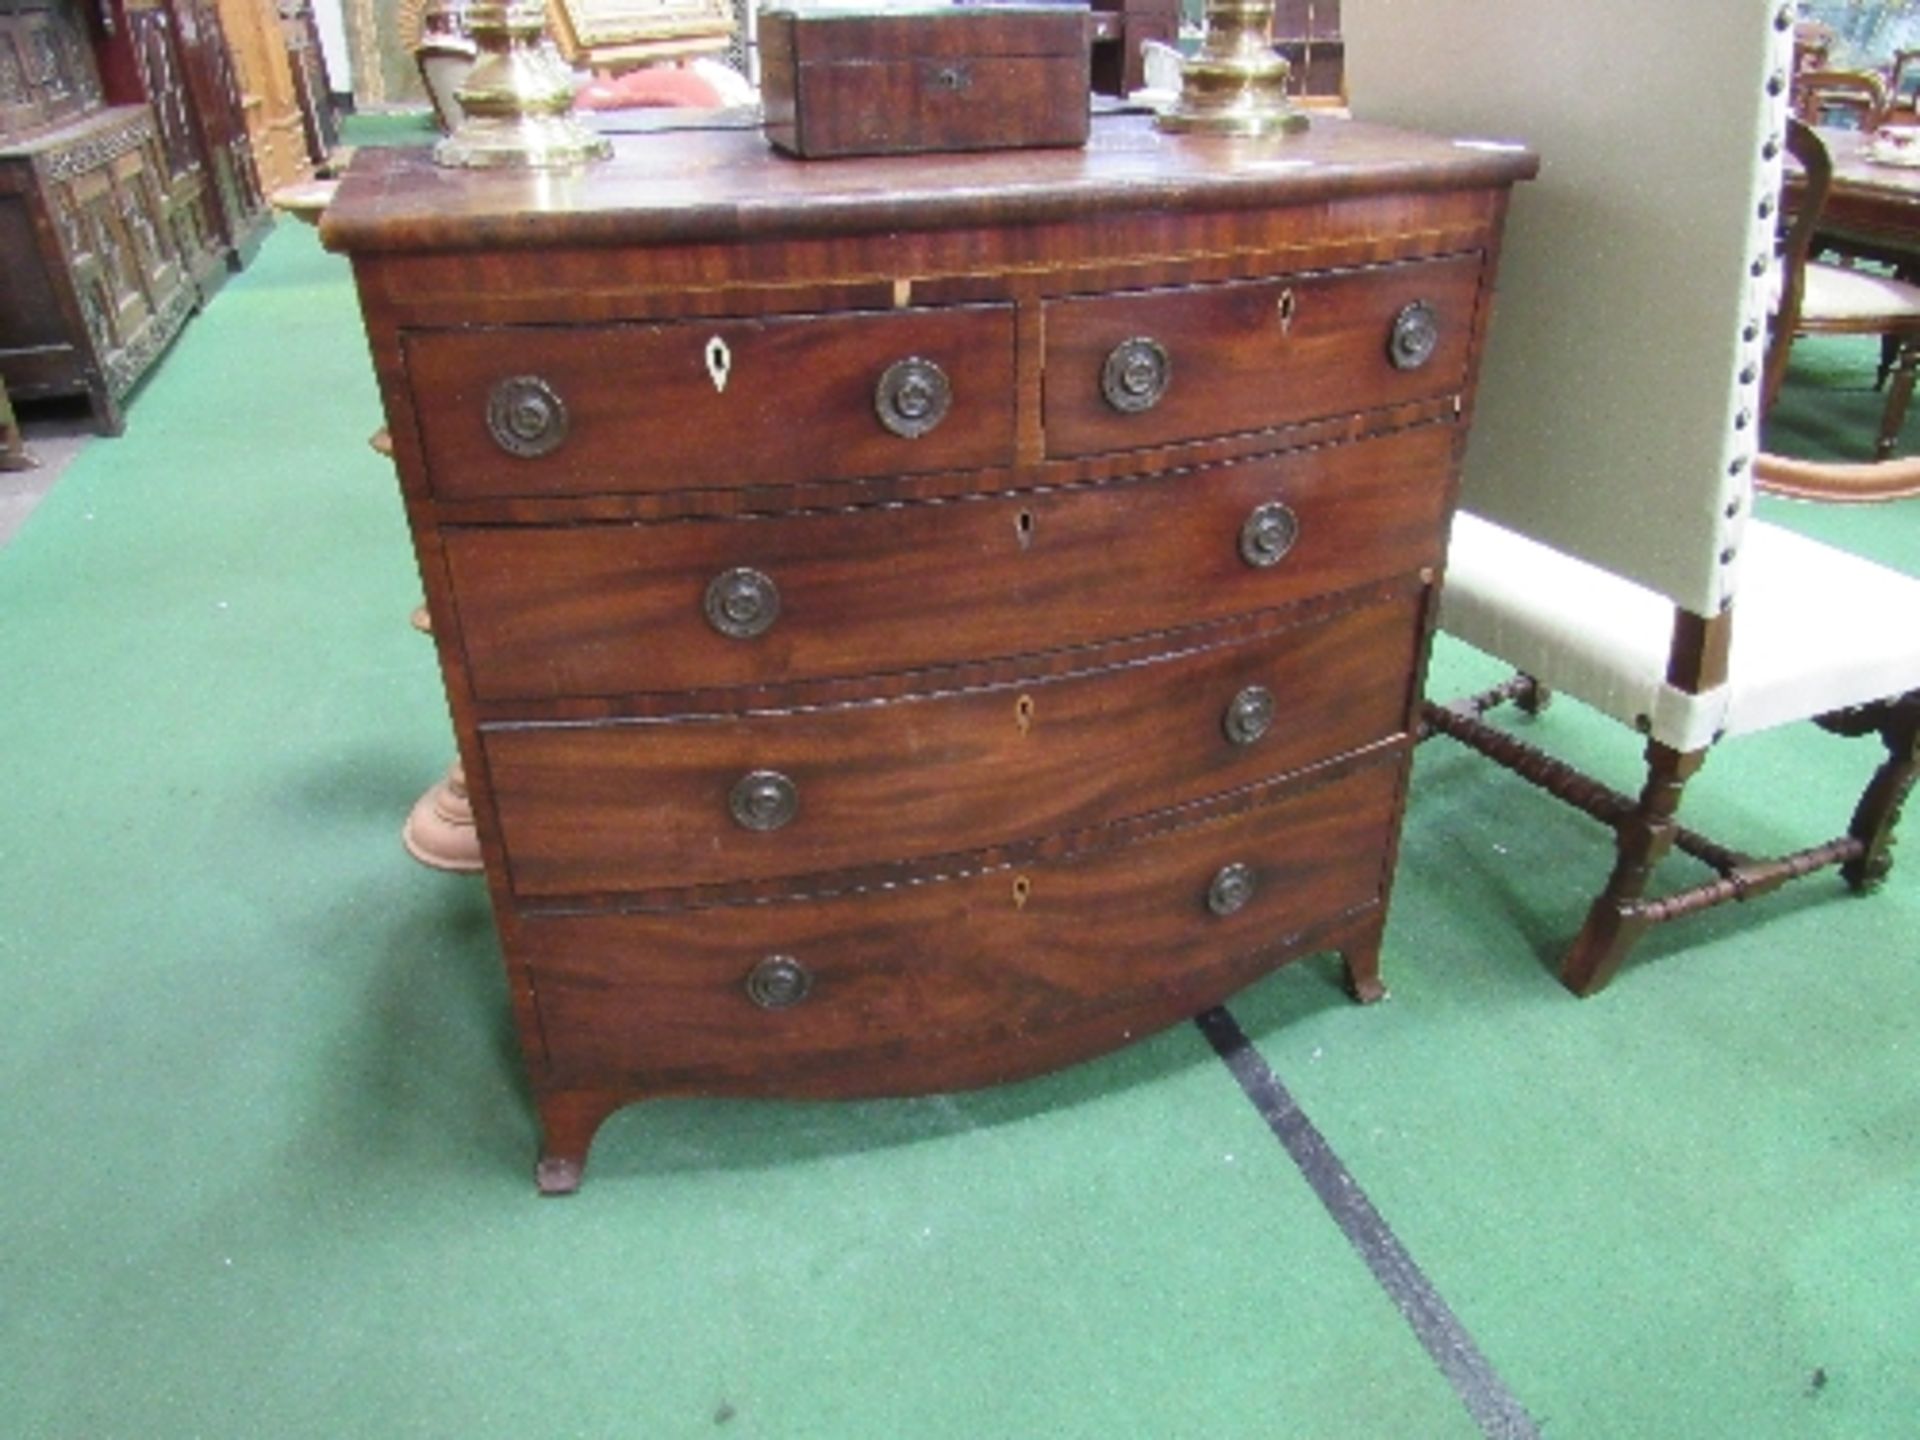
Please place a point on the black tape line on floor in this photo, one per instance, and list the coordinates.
(1493, 1406)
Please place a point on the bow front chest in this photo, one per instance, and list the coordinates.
(912, 623)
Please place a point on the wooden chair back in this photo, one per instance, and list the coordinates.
(1856, 97)
(1809, 151)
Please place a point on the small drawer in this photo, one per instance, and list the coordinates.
(661, 804)
(609, 609)
(622, 409)
(1158, 366)
(970, 978)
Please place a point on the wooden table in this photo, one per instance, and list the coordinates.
(1873, 210)
(1872, 213)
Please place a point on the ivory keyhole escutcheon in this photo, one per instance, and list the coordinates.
(719, 364)
(1023, 713)
(1023, 528)
(1022, 889)
(1286, 307)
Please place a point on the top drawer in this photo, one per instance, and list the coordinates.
(1152, 367)
(605, 409)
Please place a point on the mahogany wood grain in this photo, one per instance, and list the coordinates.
(604, 609)
(635, 390)
(977, 965)
(598, 809)
(975, 902)
(687, 187)
(1254, 354)
(963, 78)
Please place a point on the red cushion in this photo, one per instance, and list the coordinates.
(657, 85)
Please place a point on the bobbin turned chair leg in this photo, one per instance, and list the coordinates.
(1880, 803)
(1898, 398)
(1619, 917)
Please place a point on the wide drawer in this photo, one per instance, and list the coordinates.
(818, 996)
(1155, 366)
(606, 409)
(652, 805)
(550, 611)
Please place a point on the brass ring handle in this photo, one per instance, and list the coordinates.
(526, 416)
(1136, 375)
(912, 397)
(1233, 886)
(1249, 715)
(742, 603)
(1270, 532)
(763, 800)
(1415, 336)
(778, 983)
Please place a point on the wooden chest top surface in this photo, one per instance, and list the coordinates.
(681, 186)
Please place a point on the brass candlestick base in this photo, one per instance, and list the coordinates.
(1237, 84)
(517, 98)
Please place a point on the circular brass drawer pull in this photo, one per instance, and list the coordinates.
(763, 800)
(1249, 715)
(912, 397)
(1270, 532)
(742, 603)
(1232, 888)
(1136, 375)
(1416, 335)
(778, 983)
(526, 417)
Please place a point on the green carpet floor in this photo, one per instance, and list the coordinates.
(267, 1148)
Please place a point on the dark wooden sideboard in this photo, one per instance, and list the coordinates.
(913, 623)
(96, 284)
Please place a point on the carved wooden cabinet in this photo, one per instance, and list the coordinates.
(96, 284)
(174, 55)
(913, 623)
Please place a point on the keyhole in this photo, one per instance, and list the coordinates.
(1286, 311)
(719, 364)
(1022, 888)
(1023, 528)
(1023, 713)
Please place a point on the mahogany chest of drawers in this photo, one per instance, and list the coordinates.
(910, 624)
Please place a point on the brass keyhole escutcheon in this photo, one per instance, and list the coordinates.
(1022, 891)
(1023, 713)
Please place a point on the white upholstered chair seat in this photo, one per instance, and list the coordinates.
(1816, 630)
(1840, 295)
(1608, 538)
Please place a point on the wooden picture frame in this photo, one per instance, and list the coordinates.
(607, 34)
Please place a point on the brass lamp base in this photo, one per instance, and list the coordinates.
(517, 98)
(1237, 84)
(525, 142)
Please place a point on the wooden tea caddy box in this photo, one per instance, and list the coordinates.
(965, 77)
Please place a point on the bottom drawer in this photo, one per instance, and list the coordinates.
(967, 980)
